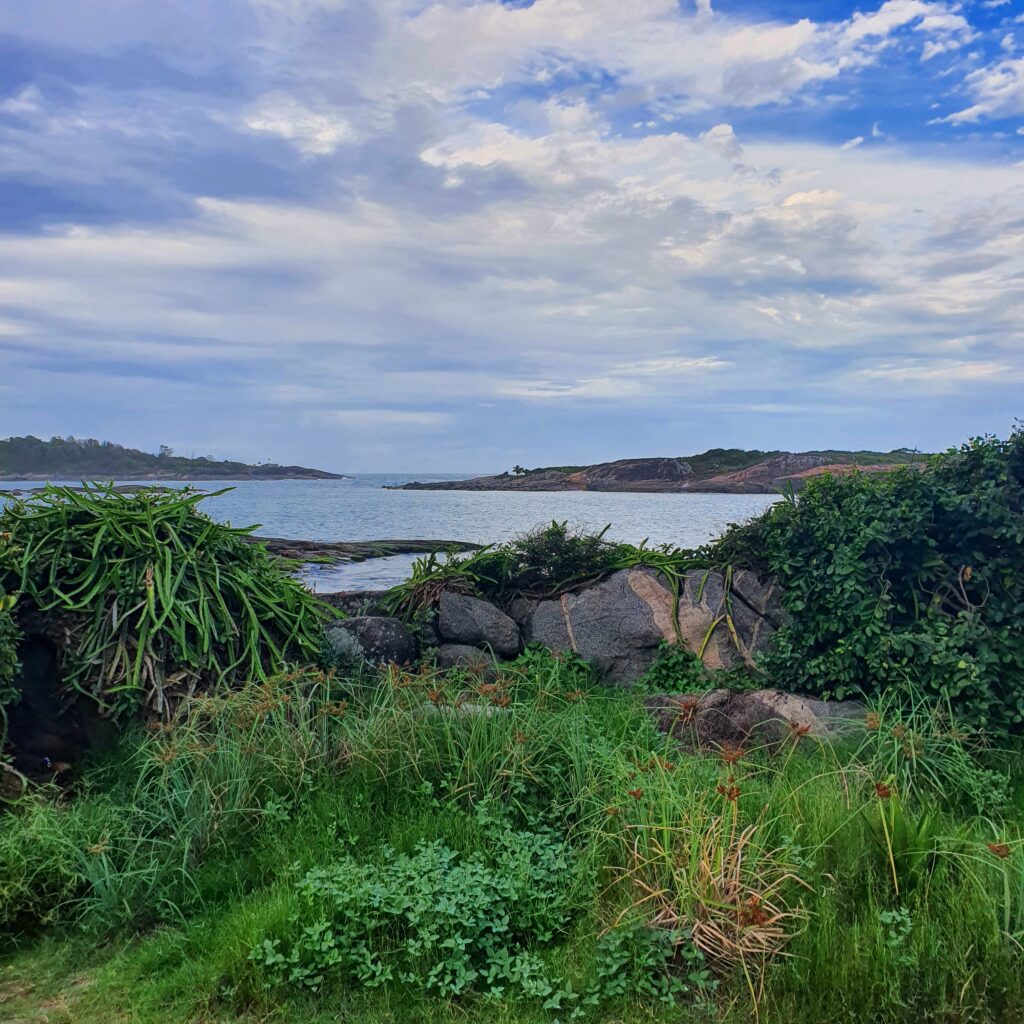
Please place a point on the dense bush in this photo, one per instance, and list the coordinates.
(433, 919)
(913, 576)
(147, 597)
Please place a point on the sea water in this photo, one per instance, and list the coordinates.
(360, 508)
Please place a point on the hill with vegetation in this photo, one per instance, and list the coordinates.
(718, 470)
(75, 458)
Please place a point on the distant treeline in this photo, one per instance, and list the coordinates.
(77, 458)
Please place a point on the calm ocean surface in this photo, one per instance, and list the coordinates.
(360, 509)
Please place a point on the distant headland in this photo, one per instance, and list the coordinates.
(73, 458)
(717, 471)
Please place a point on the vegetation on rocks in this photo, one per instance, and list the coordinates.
(544, 562)
(146, 598)
(75, 458)
(912, 577)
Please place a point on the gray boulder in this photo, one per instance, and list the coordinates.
(750, 719)
(382, 640)
(470, 659)
(462, 619)
(619, 623)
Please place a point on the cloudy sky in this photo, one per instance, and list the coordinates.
(454, 235)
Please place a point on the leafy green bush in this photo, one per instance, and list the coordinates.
(635, 961)
(432, 919)
(149, 597)
(911, 576)
(677, 669)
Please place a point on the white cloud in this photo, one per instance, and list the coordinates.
(313, 133)
(944, 373)
(28, 101)
(852, 143)
(627, 381)
(998, 91)
(382, 419)
(722, 139)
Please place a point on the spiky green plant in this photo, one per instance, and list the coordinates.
(149, 598)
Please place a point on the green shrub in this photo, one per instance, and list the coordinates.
(677, 669)
(433, 919)
(149, 597)
(911, 576)
(634, 961)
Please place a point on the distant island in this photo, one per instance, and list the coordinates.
(717, 471)
(74, 458)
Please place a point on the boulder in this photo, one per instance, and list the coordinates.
(463, 656)
(619, 622)
(382, 640)
(748, 719)
(462, 619)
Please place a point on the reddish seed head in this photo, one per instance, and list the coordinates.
(1000, 850)
(882, 791)
(730, 792)
(730, 754)
(636, 794)
(872, 721)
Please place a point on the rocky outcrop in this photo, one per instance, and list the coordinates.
(382, 640)
(716, 471)
(333, 552)
(619, 623)
(745, 720)
(462, 619)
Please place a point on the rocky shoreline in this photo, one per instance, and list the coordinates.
(338, 552)
(728, 472)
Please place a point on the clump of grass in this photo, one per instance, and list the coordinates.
(149, 598)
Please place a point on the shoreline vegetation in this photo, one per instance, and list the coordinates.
(214, 807)
(30, 458)
(717, 471)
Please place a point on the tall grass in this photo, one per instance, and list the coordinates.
(817, 882)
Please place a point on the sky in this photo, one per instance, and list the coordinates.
(399, 235)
